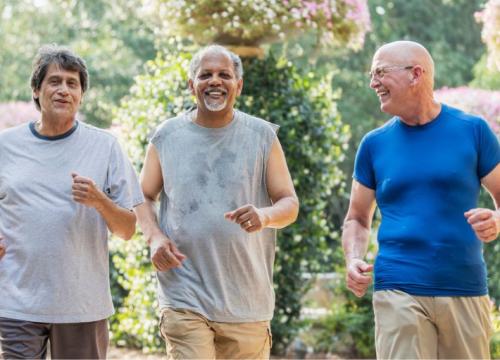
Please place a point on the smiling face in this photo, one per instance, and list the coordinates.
(392, 86)
(60, 93)
(215, 84)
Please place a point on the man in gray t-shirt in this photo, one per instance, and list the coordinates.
(63, 185)
(224, 188)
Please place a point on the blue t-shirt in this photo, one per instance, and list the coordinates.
(425, 177)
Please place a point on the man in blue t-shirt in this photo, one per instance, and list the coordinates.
(423, 169)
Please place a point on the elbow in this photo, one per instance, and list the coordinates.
(127, 230)
(127, 235)
(362, 223)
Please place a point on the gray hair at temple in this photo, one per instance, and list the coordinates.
(62, 57)
(194, 65)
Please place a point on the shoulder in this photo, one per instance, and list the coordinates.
(462, 118)
(97, 133)
(13, 133)
(170, 126)
(382, 132)
(255, 124)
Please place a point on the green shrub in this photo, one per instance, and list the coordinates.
(347, 331)
(495, 340)
(135, 323)
(314, 140)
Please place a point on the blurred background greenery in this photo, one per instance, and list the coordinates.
(312, 82)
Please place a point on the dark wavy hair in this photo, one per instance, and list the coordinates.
(61, 56)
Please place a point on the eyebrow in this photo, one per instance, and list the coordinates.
(210, 71)
(56, 76)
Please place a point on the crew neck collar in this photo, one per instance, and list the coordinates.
(32, 127)
(189, 117)
(427, 125)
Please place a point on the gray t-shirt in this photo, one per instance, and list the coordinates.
(227, 276)
(56, 267)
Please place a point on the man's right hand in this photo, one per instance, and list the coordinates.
(356, 278)
(2, 247)
(164, 253)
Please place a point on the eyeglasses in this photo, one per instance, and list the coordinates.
(379, 73)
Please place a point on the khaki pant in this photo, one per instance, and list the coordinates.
(191, 336)
(427, 327)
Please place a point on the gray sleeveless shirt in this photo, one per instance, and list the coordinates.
(227, 276)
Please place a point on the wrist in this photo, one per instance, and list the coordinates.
(101, 203)
(265, 218)
(353, 258)
(153, 236)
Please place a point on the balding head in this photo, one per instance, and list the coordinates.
(409, 53)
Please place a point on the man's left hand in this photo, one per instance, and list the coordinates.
(484, 222)
(85, 192)
(248, 217)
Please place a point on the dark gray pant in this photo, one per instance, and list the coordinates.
(21, 339)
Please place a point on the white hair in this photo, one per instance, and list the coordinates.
(194, 65)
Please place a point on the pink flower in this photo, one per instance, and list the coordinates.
(484, 103)
(310, 6)
(16, 113)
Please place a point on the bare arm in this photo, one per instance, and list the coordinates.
(356, 236)
(280, 188)
(486, 222)
(151, 184)
(164, 254)
(120, 221)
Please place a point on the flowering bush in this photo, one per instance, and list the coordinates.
(246, 22)
(490, 17)
(15, 113)
(480, 102)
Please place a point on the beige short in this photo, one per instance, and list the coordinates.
(427, 327)
(191, 336)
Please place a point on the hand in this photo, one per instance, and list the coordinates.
(356, 278)
(248, 217)
(164, 253)
(85, 192)
(2, 247)
(484, 222)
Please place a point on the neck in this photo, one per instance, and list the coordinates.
(54, 126)
(422, 112)
(213, 119)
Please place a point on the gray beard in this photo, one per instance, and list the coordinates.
(215, 107)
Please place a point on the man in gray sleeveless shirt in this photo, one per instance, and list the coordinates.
(63, 184)
(224, 188)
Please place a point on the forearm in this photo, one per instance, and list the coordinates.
(148, 222)
(282, 213)
(355, 240)
(120, 221)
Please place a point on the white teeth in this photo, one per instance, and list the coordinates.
(215, 92)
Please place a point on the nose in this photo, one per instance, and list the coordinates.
(63, 88)
(374, 82)
(214, 80)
